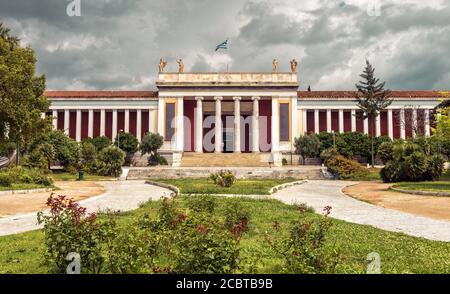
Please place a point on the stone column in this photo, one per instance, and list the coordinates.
(180, 125)
(91, 123)
(390, 124)
(114, 125)
(305, 121)
(353, 119)
(255, 125)
(127, 121)
(366, 126)
(316, 121)
(237, 124)
(78, 126)
(55, 119)
(151, 121)
(414, 122)
(295, 121)
(139, 124)
(199, 125)
(161, 116)
(341, 120)
(102, 122)
(329, 128)
(378, 125)
(218, 125)
(275, 125)
(402, 124)
(66, 122)
(427, 122)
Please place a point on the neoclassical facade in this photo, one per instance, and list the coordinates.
(233, 113)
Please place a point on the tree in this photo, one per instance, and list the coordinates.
(127, 142)
(150, 144)
(21, 93)
(371, 98)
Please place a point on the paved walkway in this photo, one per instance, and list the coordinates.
(119, 195)
(319, 194)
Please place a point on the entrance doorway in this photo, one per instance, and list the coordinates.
(228, 133)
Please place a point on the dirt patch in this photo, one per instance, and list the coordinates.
(377, 193)
(25, 203)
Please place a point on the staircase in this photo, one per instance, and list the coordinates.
(4, 161)
(225, 159)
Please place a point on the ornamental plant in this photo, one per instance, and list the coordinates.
(304, 249)
(70, 229)
(223, 178)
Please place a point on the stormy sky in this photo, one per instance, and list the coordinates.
(116, 44)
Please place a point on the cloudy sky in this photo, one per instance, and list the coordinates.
(116, 44)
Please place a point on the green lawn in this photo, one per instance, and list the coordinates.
(22, 186)
(425, 186)
(65, 176)
(240, 187)
(399, 253)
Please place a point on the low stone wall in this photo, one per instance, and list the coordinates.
(304, 173)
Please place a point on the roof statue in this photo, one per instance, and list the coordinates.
(180, 65)
(162, 65)
(294, 65)
(274, 65)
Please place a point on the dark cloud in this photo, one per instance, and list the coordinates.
(116, 44)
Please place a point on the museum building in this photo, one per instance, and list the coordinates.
(233, 112)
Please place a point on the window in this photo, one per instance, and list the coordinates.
(285, 131)
(169, 122)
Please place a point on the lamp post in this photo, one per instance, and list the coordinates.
(334, 139)
(118, 139)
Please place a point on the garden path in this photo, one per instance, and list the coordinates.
(319, 194)
(119, 195)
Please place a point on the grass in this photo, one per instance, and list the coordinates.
(22, 186)
(399, 253)
(424, 186)
(66, 176)
(240, 187)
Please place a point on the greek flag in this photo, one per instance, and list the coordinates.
(223, 45)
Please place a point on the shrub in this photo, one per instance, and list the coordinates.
(385, 151)
(19, 175)
(127, 142)
(223, 178)
(304, 249)
(150, 144)
(101, 142)
(88, 157)
(126, 248)
(69, 229)
(307, 146)
(110, 162)
(237, 217)
(410, 163)
(66, 150)
(157, 159)
(203, 246)
(328, 153)
(344, 168)
(202, 203)
(6, 180)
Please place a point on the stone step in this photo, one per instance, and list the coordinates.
(225, 159)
